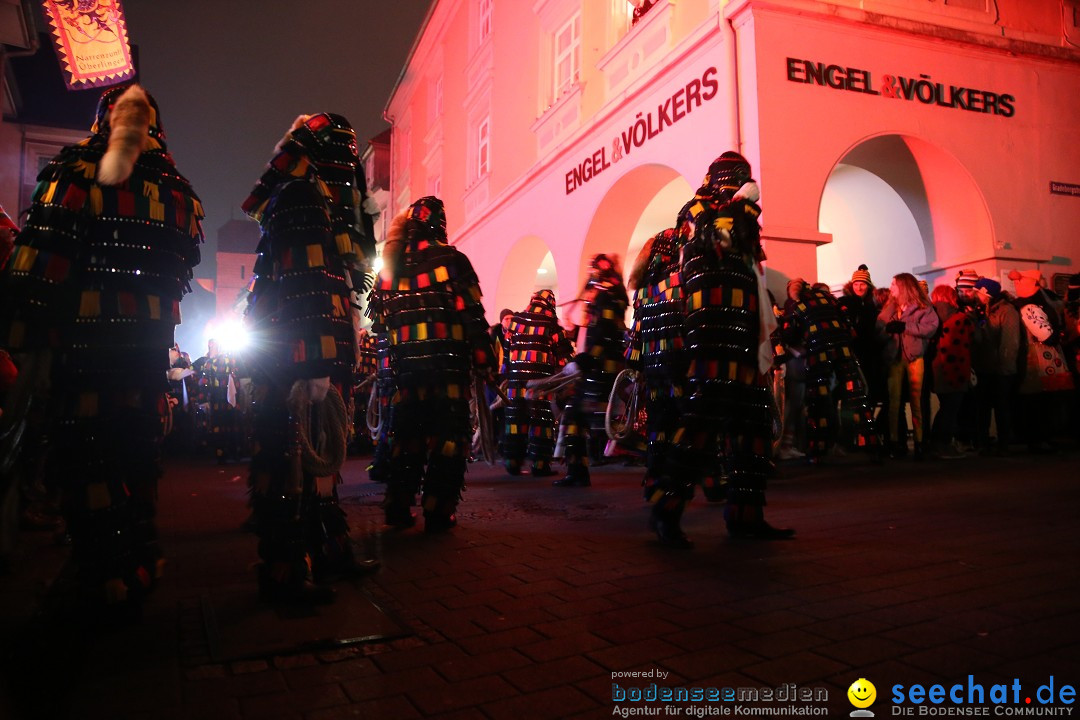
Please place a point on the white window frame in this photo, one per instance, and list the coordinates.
(483, 24)
(570, 56)
(483, 146)
(622, 14)
(438, 100)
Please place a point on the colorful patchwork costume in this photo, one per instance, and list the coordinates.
(600, 357)
(817, 323)
(538, 349)
(428, 297)
(656, 345)
(303, 352)
(96, 277)
(726, 335)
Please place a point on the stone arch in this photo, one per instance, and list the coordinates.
(519, 279)
(905, 204)
(638, 205)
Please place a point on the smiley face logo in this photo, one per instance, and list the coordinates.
(862, 693)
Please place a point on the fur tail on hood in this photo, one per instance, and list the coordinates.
(129, 135)
(395, 243)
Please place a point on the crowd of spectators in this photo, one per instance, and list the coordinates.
(1001, 365)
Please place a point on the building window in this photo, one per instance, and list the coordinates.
(484, 20)
(621, 13)
(438, 100)
(436, 186)
(567, 55)
(483, 147)
(638, 8)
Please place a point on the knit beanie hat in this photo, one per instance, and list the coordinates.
(861, 275)
(966, 279)
(1026, 281)
(990, 287)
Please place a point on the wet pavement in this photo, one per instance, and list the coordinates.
(544, 602)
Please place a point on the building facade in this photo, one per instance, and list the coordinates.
(910, 135)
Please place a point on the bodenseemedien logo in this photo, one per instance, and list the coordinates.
(862, 694)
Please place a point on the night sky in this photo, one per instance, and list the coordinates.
(230, 77)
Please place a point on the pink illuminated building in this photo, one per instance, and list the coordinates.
(905, 134)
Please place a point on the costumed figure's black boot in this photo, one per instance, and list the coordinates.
(665, 522)
(542, 468)
(401, 488)
(577, 475)
(398, 514)
(443, 484)
(281, 583)
(748, 521)
(440, 514)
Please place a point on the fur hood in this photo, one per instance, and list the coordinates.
(394, 247)
(129, 136)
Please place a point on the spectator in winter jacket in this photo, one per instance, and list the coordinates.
(906, 324)
(1001, 343)
(951, 368)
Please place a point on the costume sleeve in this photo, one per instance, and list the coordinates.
(468, 299)
(35, 283)
(633, 339)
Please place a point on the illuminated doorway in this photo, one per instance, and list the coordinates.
(528, 267)
(900, 204)
(640, 204)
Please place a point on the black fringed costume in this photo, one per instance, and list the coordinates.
(309, 259)
(379, 470)
(428, 297)
(538, 348)
(600, 360)
(726, 335)
(656, 345)
(367, 366)
(223, 431)
(96, 277)
(816, 322)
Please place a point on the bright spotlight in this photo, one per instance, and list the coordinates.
(230, 333)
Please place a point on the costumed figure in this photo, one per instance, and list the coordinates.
(537, 349)
(816, 323)
(217, 394)
(656, 346)
(367, 367)
(302, 356)
(599, 355)
(428, 297)
(728, 323)
(379, 469)
(96, 278)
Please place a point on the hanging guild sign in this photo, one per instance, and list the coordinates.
(91, 40)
